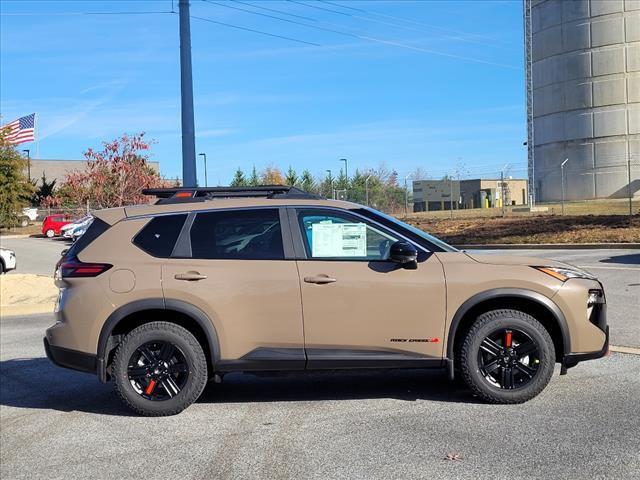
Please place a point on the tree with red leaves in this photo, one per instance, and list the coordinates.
(113, 177)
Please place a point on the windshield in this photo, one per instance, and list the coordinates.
(409, 231)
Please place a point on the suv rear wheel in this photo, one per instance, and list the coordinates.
(507, 357)
(159, 369)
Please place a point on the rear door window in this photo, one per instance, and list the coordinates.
(159, 236)
(238, 235)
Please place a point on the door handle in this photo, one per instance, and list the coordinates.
(189, 276)
(320, 279)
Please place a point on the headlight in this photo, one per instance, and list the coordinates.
(563, 273)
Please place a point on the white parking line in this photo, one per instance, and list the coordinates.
(610, 268)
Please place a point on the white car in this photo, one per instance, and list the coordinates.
(76, 229)
(7, 260)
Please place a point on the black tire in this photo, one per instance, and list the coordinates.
(24, 221)
(194, 376)
(517, 378)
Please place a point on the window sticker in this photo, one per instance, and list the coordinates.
(339, 240)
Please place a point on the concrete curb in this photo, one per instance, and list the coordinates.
(12, 310)
(550, 246)
(629, 350)
(21, 235)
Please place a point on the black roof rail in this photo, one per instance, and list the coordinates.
(201, 194)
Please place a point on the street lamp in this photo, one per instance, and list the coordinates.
(206, 184)
(366, 190)
(28, 152)
(346, 173)
(562, 180)
(330, 183)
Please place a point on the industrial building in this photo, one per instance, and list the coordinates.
(58, 169)
(475, 193)
(583, 97)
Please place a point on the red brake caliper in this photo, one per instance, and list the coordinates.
(150, 387)
(507, 338)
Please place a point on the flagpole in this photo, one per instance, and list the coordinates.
(37, 135)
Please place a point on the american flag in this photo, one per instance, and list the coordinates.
(21, 130)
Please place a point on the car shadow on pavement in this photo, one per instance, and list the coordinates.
(409, 385)
(628, 259)
(36, 383)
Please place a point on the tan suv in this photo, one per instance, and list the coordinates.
(162, 298)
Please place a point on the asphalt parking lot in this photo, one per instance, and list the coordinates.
(60, 424)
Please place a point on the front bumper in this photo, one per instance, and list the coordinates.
(63, 357)
(572, 359)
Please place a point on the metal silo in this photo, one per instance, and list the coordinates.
(583, 97)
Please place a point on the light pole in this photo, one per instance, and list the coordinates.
(346, 172)
(562, 180)
(366, 190)
(206, 184)
(186, 97)
(330, 183)
(28, 152)
(406, 195)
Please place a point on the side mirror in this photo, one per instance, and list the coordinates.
(64, 252)
(404, 253)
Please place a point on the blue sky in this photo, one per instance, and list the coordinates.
(435, 85)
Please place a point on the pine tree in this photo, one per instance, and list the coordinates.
(291, 178)
(307, 183)
(239, 180)
(46, 189)
(254, 179)
(15, 188)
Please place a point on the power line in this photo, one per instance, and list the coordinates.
(255, 31)
(394, 17)
(49, 14)
(395, 43)
(275, 11)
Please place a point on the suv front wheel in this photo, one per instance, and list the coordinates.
(159, 369)
(507, 357)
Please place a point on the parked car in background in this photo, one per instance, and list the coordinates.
(29, 214)
(7, 260)
(76, 229)
(52, 224)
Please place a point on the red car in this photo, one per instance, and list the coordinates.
(53, 223)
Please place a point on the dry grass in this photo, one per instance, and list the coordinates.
(532, 229)
(32, 229)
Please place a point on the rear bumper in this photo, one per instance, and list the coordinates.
(572, 359)
(63, 357)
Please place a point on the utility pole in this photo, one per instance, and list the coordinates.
(186, 90)
(406, 195)
(206, 183)
(366, 190)
(562, 180)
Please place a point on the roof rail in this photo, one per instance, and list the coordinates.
(201, 194)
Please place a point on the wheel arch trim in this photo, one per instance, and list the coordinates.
(168, 304)
(497, 293)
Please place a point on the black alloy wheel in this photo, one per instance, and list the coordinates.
(158, 370)
(506, 356)
(509, 358)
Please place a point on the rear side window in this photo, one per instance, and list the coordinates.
(237, 235)
(159, 236)
(97, 228)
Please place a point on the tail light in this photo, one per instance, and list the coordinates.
(74, 268)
